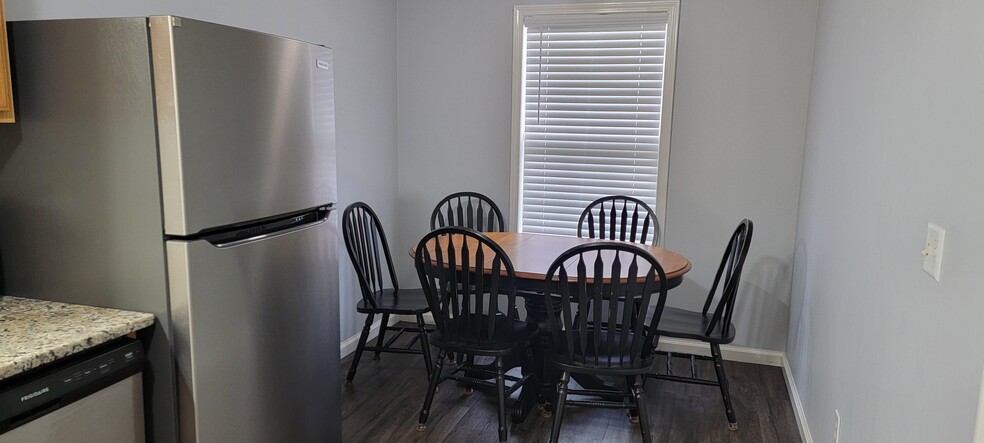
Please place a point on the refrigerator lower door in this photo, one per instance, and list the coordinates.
(256, 337)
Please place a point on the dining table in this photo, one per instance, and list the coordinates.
(531, 255)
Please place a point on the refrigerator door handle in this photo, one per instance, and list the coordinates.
(256, 238)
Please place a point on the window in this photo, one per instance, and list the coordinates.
(592, 90)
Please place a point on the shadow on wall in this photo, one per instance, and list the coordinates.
(761, 312)
(7, 132)
(763, 299)
(349, 294)
(409, 231)
(798, 346)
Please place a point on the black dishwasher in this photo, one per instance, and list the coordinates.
(93, 396)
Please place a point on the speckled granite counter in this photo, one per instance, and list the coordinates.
(35, 332)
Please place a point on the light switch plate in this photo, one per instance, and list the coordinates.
(933, 251)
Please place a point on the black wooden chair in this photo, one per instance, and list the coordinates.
(600, 327)
(470, 309)
(619, 217)
(715, 329)
(364, 240)
(468, 210)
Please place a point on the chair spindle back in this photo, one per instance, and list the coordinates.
(364, 240)
(604, 291)
(464, 299)
(619, 217)
(728, 277)
(469, 210)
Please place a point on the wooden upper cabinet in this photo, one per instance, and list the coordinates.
(6, 90)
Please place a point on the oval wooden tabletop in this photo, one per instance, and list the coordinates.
(532, 254)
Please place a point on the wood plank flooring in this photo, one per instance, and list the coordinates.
(386, 398)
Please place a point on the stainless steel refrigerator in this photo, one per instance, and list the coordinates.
(186, 169)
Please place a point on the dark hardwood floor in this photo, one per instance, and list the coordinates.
(386, 398)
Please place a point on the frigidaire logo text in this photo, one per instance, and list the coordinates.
(34, 394)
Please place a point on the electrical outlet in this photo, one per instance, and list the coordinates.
(837, 426)
(933, 252)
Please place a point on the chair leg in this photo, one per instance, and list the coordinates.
(425, 345)
(358, 350)
(382, 332)
(531, 388)
(630, 382)
(640, 400)
(558, 410)
(431, 389)
(469, 362)
(500, 385)
(723, 383)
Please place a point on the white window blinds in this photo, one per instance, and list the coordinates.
(592, 100)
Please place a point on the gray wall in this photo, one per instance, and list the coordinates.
(893, 142)
(738, 129)
(363, 36)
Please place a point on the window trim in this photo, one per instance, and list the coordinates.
(520, 12)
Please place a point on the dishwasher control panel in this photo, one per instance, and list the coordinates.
(31, 395)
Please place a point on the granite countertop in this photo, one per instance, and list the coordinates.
(35, 332)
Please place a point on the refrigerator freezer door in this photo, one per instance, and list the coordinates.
(246, 124)
(256, 338)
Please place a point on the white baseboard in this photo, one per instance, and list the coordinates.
(729, 352)
(349, 345)
(794, 397)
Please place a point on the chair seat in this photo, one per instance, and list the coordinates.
(509, 335)
(618, 363)
(402, 302)
(681, 323)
